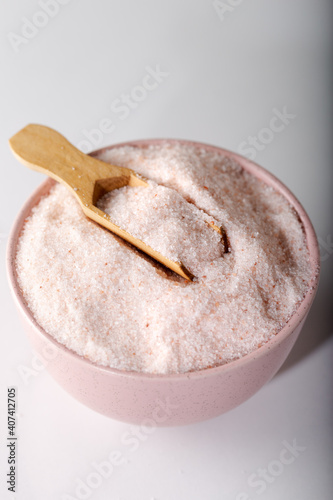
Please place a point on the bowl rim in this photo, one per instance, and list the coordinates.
(248, 165)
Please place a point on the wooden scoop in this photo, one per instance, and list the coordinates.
(45, 150)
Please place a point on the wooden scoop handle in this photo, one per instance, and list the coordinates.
(45, 150)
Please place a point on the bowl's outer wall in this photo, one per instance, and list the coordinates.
(162, 400)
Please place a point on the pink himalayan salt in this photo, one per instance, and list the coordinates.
(164, 220)
(106, 301)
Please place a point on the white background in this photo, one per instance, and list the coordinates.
(226, 75)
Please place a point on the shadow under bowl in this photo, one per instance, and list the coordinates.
(165, 400)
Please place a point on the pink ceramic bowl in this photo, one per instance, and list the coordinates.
(162, 400)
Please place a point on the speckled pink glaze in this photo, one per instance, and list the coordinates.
(165, 400)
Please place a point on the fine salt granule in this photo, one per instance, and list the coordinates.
(110, 303)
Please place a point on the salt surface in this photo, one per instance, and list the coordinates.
(108, 302)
